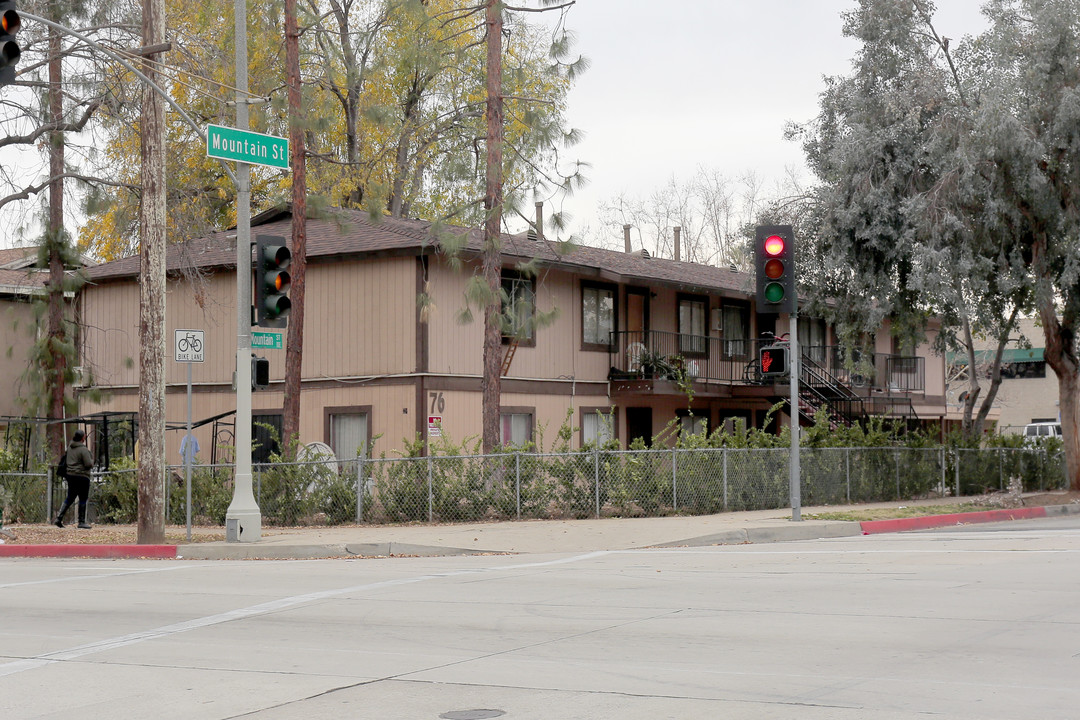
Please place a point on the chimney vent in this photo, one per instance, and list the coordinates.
(678, 253)
(626, 238)
(539, 234)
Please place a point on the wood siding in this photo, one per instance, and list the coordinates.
(19, 335)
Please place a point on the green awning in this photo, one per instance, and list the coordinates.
(1011, 355)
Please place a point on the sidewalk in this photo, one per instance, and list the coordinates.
(537, 536)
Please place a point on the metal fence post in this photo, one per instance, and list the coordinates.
(674, 482)
(430, 493)
(941, 462)
(517, 481)
(1001, 468)
(896, 459)
(725, 480)
(847, 472)
(360, 490)
(258, 483)
(49, 493)
(956, 455)
(596, 476)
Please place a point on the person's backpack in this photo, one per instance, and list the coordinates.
(61, 466)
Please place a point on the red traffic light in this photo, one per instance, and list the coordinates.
(774, 245)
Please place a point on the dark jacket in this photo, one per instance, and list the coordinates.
(79, 460)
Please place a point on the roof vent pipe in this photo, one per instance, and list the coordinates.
(540, 221)
(678, 231)
(626, 237)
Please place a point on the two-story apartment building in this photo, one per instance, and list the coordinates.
(627, 336)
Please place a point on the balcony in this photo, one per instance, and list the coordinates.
(666, 356)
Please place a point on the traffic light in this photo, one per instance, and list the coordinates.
(272, 259)
(260, 373)
(774, 261)
(10, 22)
(773, 361)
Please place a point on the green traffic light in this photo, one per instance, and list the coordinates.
(774, 292)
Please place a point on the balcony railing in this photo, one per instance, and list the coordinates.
(890, 373)
(660, 355)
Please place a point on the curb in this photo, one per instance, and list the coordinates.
(157, 552)
(925, 522)
(769, 535)
(231, 551)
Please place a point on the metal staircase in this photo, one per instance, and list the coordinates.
(820, 389)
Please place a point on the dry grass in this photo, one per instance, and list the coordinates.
(859, 514)
(102, 535)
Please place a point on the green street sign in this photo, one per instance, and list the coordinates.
(250, 147)
(266, 340)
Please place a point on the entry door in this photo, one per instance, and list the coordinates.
(639, 425)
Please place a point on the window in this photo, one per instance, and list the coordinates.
(349, 434)
(597, 315)
(812, 339)
(736, 330)
(693, 424)
(519, 300)
(517, 425)
(692, 332)
(597, 426)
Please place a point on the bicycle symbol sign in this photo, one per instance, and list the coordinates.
(188, 345)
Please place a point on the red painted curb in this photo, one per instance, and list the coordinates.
(871, 527)
(95, 551)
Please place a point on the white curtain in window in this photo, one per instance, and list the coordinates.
(348, 434)
(735, 332)
(597, 427)
(692, 424)
(598, 315)
(515, 428)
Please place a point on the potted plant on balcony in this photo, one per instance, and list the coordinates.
(657, 366)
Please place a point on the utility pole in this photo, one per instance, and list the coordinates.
(151, 463)
(243, 522)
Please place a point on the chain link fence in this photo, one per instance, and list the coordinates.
(598, 483)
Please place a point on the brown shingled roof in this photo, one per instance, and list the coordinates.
(20, 282)
(11, 256)
(351, 232)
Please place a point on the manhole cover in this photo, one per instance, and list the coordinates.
(471, 714)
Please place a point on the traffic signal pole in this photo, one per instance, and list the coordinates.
(774, 265)
(243, 522)
(795, 363)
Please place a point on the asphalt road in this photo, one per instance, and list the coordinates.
(979, 622)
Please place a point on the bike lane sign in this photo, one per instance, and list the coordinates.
(188, 345)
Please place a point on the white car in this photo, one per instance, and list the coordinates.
(1035, 431)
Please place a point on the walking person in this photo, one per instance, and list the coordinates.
(79, 462)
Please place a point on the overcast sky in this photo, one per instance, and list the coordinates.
(679, 84)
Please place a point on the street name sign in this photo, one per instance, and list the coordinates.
(266, 340)
(254, 148)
